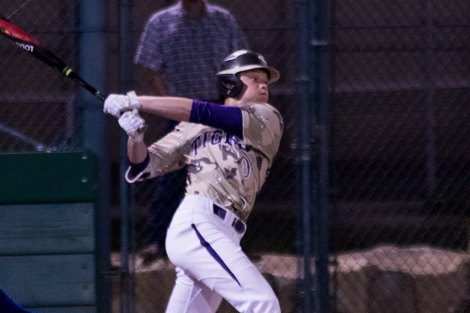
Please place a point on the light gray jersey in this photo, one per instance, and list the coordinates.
(222, 167)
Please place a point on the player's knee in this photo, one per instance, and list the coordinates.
(267, 302)
(272, 306)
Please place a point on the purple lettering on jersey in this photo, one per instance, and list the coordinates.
(245, 168)
(204, 141)
(216, 137)
(231, 139)
(195, 145)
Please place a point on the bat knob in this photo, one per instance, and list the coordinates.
(100, 96)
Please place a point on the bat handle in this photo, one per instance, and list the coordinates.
(100, 96)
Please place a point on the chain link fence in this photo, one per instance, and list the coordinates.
(36, 102)
(398, 156)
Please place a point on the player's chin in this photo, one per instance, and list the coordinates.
(263, 98)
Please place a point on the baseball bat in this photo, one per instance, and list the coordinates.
(32, 46)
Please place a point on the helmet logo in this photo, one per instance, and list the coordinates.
(236, 54)
(262, 58)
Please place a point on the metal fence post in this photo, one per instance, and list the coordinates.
(303, 81)
(92, 43)
(319, 43)
(125, 84)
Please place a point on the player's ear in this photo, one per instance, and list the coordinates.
(229, 85)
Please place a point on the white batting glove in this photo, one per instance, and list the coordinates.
(133, 124)
(118, 104)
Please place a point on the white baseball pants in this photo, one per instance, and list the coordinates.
(210, 265)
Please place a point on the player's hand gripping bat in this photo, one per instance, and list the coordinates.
(31, 45)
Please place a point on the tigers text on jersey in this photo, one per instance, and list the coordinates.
(223, 167)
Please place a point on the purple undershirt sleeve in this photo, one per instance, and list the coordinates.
(137, 168)
(227, 118)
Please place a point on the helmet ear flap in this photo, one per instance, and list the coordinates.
(229, 85)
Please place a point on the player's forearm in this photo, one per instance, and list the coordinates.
(173, 108)
(136, 151)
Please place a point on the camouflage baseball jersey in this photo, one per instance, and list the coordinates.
(222, 167)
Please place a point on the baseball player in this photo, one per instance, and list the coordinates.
(229, 150)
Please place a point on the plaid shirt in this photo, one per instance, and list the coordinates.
(189, 52)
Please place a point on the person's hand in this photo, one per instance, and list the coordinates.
(118, 104)
(133, 124)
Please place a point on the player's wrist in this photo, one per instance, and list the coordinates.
(134, 102)
(136, 137)
(139, 134)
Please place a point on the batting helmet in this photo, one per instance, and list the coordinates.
(229, 84)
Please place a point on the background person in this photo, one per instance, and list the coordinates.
(183, 46)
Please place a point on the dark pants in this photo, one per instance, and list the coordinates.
(168, 193)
